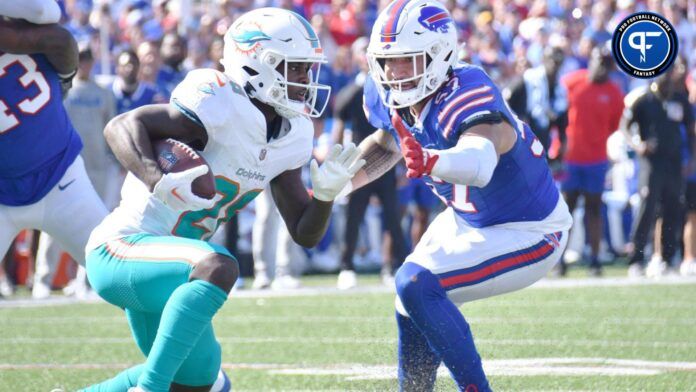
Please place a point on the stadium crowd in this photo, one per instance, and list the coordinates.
(621, 148)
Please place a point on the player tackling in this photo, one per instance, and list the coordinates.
(506, 224)
(251, 125)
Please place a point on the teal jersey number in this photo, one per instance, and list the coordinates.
(201, 225)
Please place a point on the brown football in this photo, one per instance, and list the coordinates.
(174, 156)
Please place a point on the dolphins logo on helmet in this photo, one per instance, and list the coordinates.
(247, 41)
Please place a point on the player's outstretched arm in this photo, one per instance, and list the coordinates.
(55, 42)
(34, 11)
(380, 153)
(471, 161)
(308, 217)
(130, 134)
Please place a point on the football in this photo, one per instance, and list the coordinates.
(174, 156)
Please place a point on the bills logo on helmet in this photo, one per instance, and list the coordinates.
(248, 40)
(434, 19)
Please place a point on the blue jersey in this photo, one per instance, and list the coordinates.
(521, 188)
(37, 139)
(144, 94)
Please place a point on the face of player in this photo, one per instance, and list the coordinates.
(400, 68)
(297, 72)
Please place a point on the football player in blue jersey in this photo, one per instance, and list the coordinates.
(506, 224)
(43, 183)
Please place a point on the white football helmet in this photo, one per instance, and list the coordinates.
(261, 40)
(420, 29)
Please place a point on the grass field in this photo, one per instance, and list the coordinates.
(606, 338)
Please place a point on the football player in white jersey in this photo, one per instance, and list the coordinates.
(506, 224)
(251, 124)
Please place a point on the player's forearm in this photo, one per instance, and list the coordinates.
(378, 160)
(63, 53)
(130, 142)
(313, 223)
(53, 41)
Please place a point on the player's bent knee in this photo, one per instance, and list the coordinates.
(414, 281)
(218, 269)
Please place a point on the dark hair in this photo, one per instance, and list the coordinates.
(130, 53)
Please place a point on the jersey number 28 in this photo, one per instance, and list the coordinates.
(31, 75)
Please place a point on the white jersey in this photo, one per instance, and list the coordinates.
(241, 159)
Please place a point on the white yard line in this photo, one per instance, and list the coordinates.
(377, 289)
(62, 340)
(494, 367)
(264, 319)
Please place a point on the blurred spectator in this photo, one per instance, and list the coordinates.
(349, 110)
(131, 93)
(343, 22)
(79, 22)
(415, 193)
(328, 44)
(587, 133)
(538, 98)
(597, 26)
(270, 267)
(654, 120)
(686, 31)
(150, 61)
(173, 53)
(215, 54)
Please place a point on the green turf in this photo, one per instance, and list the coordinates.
(262, 337)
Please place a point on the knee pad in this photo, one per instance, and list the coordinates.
(415, 283)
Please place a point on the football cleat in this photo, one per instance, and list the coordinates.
(222, 384)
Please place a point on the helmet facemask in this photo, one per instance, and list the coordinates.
(279, 94)
(426, 82)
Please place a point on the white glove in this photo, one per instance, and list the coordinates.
(336, 171)
(174, 190)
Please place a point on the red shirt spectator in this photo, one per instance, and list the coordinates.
(343, 23)
(594, 111)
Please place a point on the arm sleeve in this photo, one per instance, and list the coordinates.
(471, 161)
(476, 102)
(34, 11)
(205, 100)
